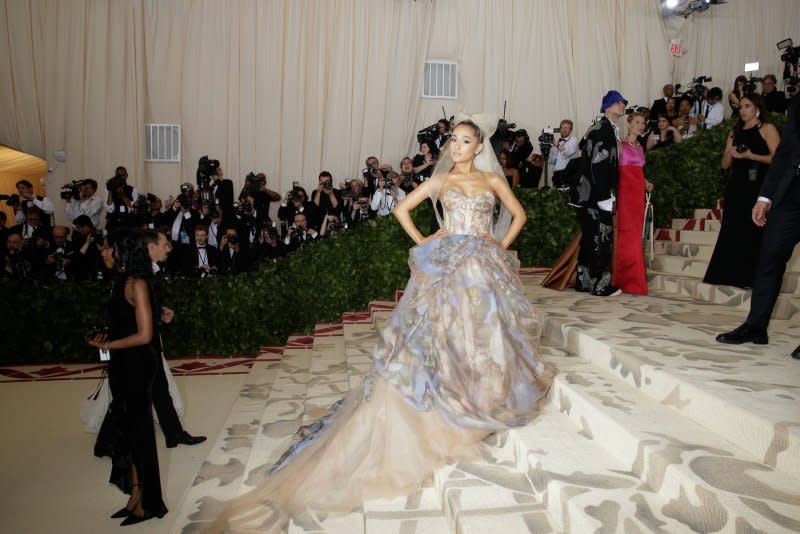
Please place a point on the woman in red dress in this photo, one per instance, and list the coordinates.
(629, 272)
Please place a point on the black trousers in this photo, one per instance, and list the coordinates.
(781, 234)
(597, 241)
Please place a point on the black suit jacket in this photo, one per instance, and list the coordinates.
(223, 193)
(783, 169)
(189, 256)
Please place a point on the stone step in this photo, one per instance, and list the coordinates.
(707, 225)
(670, 248)
(707, 213)
(694, 237)
(679, 265)
(746, 394)
(677, 458)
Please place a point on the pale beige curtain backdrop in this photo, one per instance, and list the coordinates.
(294, 87)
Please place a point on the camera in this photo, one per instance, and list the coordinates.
(71, 190)
(388, 184)
(327, 184)
(741, 149)
(253, 182)
(294, 195)
(233, 239)
(346, 194)
(115, 183)
(428, 133)
(750, 84)
(790, 53)
(185, 189)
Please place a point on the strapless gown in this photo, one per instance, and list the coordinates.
(457, 361)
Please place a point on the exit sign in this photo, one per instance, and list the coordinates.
(676, 48)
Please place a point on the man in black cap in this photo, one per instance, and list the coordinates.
(594, 197)
(778, 211)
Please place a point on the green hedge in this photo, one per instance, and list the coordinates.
(239, 314)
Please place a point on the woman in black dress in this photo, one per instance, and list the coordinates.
(134, 357)
(748, 153)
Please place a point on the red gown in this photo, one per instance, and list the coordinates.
(629, 271)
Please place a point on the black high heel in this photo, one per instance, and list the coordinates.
(124, 512)
(132, 519)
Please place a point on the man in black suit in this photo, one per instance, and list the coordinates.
(199, 259)
(659, 106)
(222, 189)
(780, 199)
(775, 100)
(233, 258)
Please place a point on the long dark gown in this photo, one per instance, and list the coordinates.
(130, 374)
(733, 262)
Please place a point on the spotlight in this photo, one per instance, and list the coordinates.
(671, 4)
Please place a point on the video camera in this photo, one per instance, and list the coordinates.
(206, 168)
(696, 87)
(791, 57)
(428, 133)
(71, 189)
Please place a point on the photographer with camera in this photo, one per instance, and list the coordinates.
(119, 200)
(563, 150)
(361, 210)
(81, 200)
(330, 224)
(774, 100)
(442, 133)
(388, 194)
(296, 201)
(17, 264)
(87, 242)
(199, 259)
(325, 197)
(256, 193)
(300, 234)
(233, 257)
(181, 218)
(34, 219)
(58, 261)
(424, 162)
(269, 247)
(213, 187)
(371, 173)
(25, 200)
(716, 112)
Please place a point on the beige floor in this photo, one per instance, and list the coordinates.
(52, 484)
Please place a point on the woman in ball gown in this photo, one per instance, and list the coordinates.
(456, 362)
(629, 271)
(748, 152)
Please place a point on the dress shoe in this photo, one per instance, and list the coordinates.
(132, 519)
(744, 334)
(184, 438)
(796, 353)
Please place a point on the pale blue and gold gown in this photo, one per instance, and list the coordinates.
(456, 362)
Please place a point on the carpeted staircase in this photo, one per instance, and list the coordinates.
(650, 426)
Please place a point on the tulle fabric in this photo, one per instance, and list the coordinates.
(456, 362)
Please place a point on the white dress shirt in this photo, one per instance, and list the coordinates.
(716, 114)
(559, 159)
(90, 207)
(384, 202)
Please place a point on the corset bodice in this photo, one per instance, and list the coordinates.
(467, 214)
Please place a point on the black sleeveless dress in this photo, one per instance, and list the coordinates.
(736, 252)
(130, 375)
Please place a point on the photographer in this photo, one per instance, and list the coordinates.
(700, 106)
(296, 201)
(17, 263)
(58, 262)
(716, 111)
(199, 259)
(34, 218)
(269, 247)
(563, 150)
(442, 133)
(211, 175)
(233, 258)
(330, 224)
(299, 234)
(424, 162)
(119, 200)
(325, 197)
(81, 200)
(87, 261)
(28, 200)
(361, 211)
(775, 100)
(371, 174)
(247, 221)
(256, 192)
(182, 218)
(388, 194)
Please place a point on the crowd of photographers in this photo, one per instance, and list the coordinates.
(214, 232)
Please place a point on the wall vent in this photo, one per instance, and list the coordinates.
(162, 142)
(440, 80)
